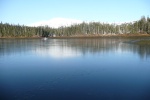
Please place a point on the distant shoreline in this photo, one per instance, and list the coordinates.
(85, 36)
(105, 36)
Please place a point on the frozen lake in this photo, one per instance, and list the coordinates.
(74, 69)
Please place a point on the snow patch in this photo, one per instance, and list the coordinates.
(57, 22)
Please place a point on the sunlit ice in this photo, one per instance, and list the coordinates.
(58, 52)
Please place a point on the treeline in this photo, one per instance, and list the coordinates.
(141, 26)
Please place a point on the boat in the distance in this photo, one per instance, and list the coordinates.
(45, 38)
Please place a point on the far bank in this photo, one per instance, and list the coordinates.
(87, 36)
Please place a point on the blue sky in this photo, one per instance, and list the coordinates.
(31, 11)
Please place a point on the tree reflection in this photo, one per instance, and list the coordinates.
(71, 47)
(144, 51)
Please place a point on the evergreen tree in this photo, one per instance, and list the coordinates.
(92, 28)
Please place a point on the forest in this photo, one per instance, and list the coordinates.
(141, 26)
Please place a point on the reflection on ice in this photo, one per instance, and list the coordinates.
(66, 48)
(58, 52)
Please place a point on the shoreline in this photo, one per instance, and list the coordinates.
(85, 36)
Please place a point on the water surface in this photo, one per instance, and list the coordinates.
(74, 69)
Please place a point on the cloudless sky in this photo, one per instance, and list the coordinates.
(31, 11)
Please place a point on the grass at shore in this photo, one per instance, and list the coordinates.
(143, 42)
(92, 36)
